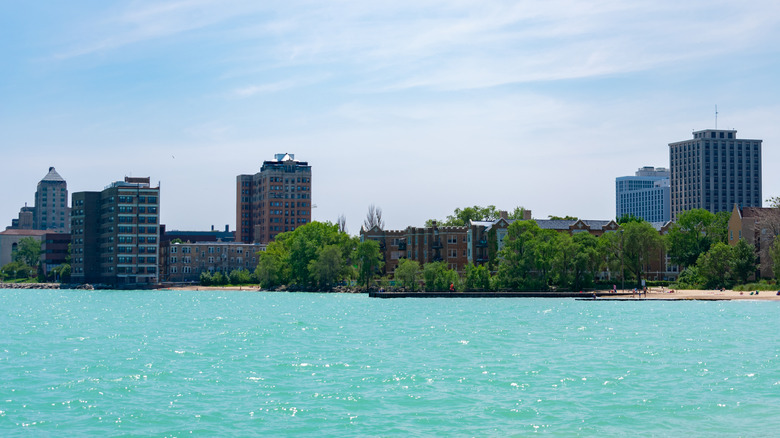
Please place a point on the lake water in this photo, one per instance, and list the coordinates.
(226, 363)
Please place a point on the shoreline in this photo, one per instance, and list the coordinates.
(621, 295)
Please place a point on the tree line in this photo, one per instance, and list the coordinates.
(321, 256)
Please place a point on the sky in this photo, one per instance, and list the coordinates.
(418, 107)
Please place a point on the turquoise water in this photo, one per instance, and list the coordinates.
(218, 363)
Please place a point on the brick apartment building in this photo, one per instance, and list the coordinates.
(423, 244)
(274, 200)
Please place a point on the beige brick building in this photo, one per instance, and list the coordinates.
(184, 262)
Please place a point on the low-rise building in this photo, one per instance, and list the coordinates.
(759, 227)
(9, 242)
(422, 244)
(197, 236)
(184, 262)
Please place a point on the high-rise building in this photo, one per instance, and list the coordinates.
(115, 234)
(714, 171)
(645, 195)
(51, 204)
(274, 200)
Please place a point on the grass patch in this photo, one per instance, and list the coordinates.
(761, 285)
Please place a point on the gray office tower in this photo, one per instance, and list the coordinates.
(714, 171)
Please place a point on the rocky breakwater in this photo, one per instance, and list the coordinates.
(45, 286)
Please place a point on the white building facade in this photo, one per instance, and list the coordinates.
(646, 195)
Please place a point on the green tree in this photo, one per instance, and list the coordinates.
(290, 258)
(517, 214)
(626, 218)
(239, 277)
(690, 278)
(328, 267)
(477, 278)
(562, 218)
(517, 258)
(462, 216)
(305, 243)
(28, 251)
(17, 271)
(272, 268)
(715, 265)
(492, 247)
(218, 279)
(438, 277)
(692, 235)
(205, 278)
(641, 245)
(718, 231)
(609, 249)
(407, 272)
(576, 260)
(774, 253)
(744, 262)
(587, 260)
(563, 261)
(61, 273)
(526, 258)
(369, 261)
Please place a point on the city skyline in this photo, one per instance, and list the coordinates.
(417, 108)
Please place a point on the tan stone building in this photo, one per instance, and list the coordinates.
(759, 227)
(9, 241)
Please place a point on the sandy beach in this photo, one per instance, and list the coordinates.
(674, 294)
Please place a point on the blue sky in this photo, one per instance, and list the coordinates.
(418, 107)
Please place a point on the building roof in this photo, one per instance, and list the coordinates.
(754, 211)
(31, 233)
(52, 176)
(219, 243)
(659, 226)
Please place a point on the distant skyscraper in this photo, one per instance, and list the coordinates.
(645, 195)
(51, 204)
(275, 200)
(115, 234)
(714, 171)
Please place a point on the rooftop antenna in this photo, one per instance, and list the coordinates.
(716, 116)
